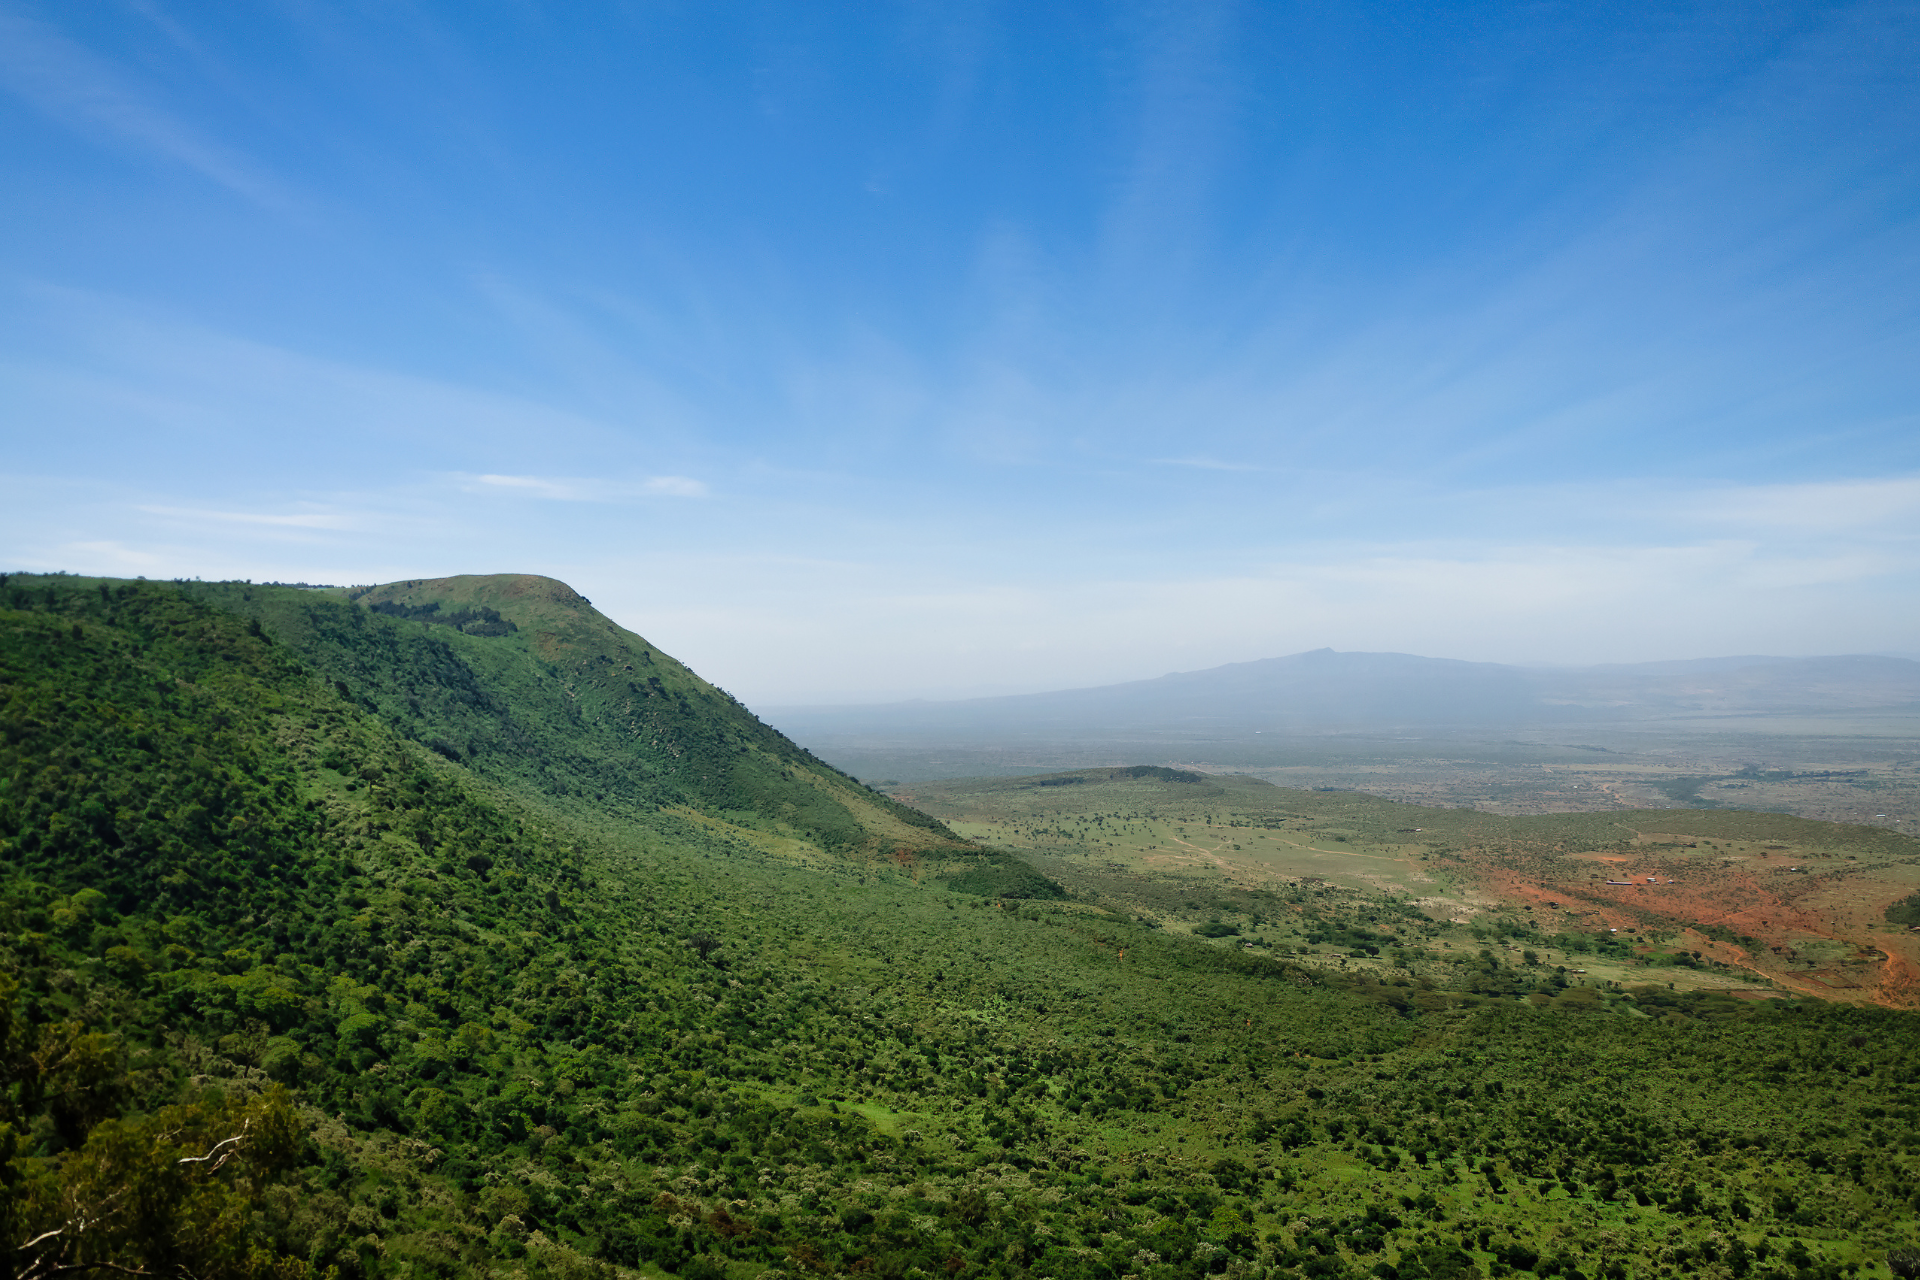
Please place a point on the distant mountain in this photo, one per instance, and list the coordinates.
(1325, 689)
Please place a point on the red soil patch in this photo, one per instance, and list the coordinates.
(1756, 902)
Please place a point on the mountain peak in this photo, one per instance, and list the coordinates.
(498, 590)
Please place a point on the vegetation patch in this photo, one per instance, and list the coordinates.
(999, 875)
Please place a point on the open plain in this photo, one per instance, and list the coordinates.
(1702, 899)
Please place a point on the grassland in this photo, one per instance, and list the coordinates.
(1864, 771)
(1710, 900)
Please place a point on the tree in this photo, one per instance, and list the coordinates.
(170, 1193)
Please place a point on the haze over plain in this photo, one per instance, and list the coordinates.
(867, 352)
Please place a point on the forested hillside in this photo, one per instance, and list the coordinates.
(432, 941)
(520, 679)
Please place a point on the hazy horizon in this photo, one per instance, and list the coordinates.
(1532, 668)
(905, 350)
(1136, 679)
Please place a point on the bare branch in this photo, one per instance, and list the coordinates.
(216, 1150)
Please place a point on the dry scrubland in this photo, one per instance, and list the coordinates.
(1848, 780)
(1711, 900)
(1856, 772)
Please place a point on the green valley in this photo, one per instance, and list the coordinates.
(446, 929)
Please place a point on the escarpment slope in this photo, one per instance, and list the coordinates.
(519, 678)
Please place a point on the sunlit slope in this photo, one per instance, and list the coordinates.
(519, 678)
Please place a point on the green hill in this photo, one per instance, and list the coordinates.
(519, 678)
(407, 936)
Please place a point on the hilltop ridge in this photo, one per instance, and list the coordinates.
(518, 677)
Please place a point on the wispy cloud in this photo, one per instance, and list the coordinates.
(166, 387)
(1182, 94)
(297, 520)
(360, 524)
(573, 489)
(526, 486)
(106, 556)
(1205, 463)
(674, 487)
(70, 84)
(1890, 505)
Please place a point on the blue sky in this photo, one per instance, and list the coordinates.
(871, 350)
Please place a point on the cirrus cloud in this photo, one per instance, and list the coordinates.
(576, 489)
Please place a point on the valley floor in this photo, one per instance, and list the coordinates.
(1709, 900)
